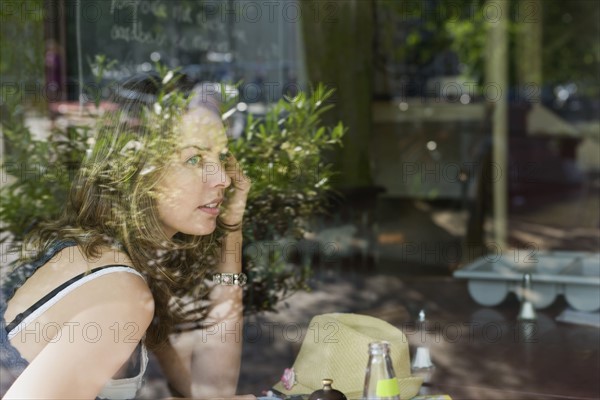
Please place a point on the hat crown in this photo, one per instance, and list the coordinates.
(336, 346)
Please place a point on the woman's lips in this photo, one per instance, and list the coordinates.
(210, 210)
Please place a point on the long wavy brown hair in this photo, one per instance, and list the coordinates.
(112, 203)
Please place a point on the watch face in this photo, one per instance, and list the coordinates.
(227, 279)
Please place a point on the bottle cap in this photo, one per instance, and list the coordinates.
(327, 393)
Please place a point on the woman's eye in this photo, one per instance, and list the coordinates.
(194, 160)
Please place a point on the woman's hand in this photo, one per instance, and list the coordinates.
(237, 194)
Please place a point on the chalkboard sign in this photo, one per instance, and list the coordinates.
(216, 40)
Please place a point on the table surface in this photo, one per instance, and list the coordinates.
(485, 353)
(479, 352)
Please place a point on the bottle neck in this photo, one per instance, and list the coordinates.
(379, 348)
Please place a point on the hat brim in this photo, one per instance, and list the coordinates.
(409, 388)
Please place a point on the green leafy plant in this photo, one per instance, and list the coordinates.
(36, 175)
(99, 66)
(282, 152)
(283, 155)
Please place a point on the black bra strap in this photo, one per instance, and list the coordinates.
(21, 316)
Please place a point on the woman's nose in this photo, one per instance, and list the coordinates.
(216, 174)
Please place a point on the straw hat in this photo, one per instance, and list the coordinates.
(336, 346)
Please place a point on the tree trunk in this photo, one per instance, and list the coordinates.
(497, 76)
(338, 40)
(528, 49)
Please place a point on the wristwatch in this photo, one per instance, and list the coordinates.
(230, 279)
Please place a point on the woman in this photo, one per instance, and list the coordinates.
(154, 212)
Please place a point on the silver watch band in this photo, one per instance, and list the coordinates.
(230, 279)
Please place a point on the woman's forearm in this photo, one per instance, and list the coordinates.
(217, 356)
(230, 259)
(175, 370)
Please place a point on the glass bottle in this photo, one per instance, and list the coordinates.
(380, 378)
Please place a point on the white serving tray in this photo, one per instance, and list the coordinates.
(576, 275)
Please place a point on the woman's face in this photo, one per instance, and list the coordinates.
(192, 189)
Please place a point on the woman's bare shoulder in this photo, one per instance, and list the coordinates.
(70, 262)
(122, 287)
(115, 299)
